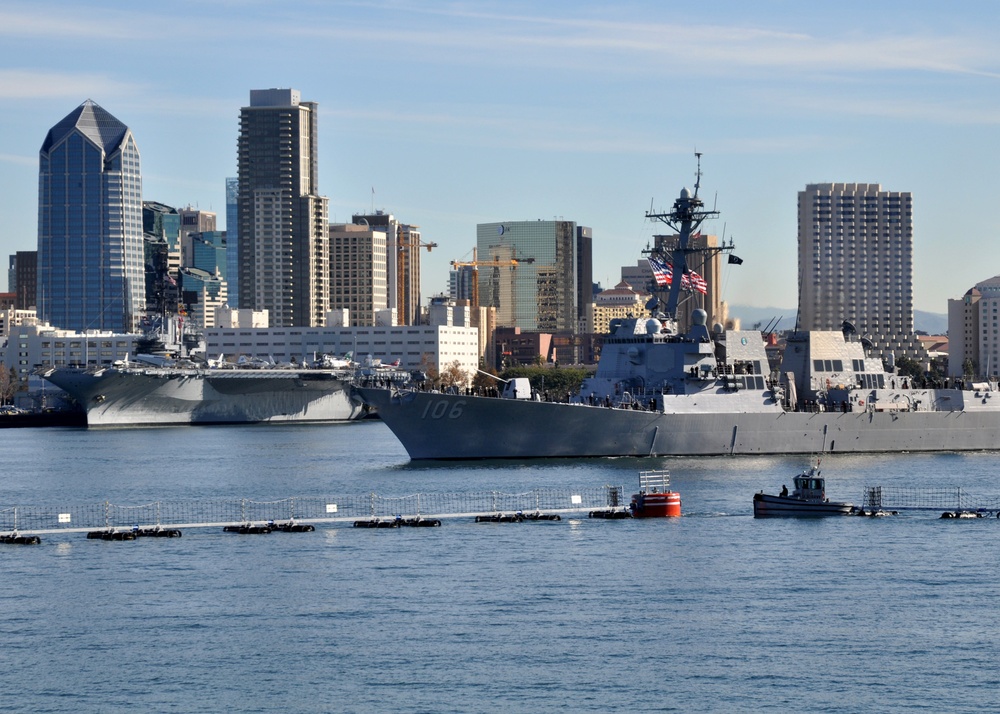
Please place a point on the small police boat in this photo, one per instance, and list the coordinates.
(807, 499)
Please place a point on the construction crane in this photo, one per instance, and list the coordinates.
(402, 246)
(475, 264)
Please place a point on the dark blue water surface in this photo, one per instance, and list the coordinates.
(714, 611)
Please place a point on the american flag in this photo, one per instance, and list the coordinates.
(663, 273)
(696, 281)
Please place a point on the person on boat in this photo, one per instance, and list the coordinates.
(784, 491)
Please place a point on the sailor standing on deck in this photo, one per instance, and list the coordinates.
(784, 490)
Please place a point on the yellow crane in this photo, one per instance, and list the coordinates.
(475, 264)
(402, 246)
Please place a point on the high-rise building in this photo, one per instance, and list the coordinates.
(358, 272)
(856, 264)
(974, 332)
(402, 262)
(233, 238)
(194, 221)
(26, 281)
(282, 226)
(530, 271)
(90, 247)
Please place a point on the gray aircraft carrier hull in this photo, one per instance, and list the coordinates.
(145, 397)
(433, 425)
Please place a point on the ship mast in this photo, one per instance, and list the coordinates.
(687, 215)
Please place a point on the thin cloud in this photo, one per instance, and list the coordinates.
(503, 38)
(31, 161)
(39, 84)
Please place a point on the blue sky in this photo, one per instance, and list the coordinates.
(459, 113)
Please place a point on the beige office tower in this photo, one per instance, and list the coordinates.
(358, 272)
(284, 251)
(856, 264)
(402, 262)
(705, 259)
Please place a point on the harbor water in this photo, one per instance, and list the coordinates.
(714, 611)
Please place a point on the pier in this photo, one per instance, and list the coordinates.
(106, 520)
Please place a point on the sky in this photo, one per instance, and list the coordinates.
(450, 114)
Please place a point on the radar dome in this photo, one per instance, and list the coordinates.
(653, 326)
(699, 317)
(685, 193)
(717, 328)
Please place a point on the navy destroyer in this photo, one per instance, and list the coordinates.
(707, 391)
(142, 395)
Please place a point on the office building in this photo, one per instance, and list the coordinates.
(282, 220)
(856, 264)
(402, 262)
(974, 332)
(532, 273)
(358, 281)
(233, 238)
(425, 347)
(26, 279)
(90, 246)
(619, 302)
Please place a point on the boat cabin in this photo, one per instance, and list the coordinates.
(810, 486)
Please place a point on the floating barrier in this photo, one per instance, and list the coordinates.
(166, 519)
(951, 502)
(399, 522)
(111, 535)
(158, 532)
(517, 517)
(248, 529)
(15, 539)
(611, 514)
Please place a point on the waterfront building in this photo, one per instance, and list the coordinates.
(26, 279)
(161, 226)
(402, 263)
(32, 344)
(358, 280)
(90, 245)
(706, 261)
(855, 244)
(416, 347)
(233, 238)
(11, 317)
(619, 302)
(532, 272)
(202, 292)
(282, 220)
(194, 222)
(974, 332)
(462, 280)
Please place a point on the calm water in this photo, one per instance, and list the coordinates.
(711, 612)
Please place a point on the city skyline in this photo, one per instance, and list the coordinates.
(452, 116)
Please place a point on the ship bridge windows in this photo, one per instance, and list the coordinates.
(828, 365)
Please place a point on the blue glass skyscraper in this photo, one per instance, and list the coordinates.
(233, 239)
(90, 247)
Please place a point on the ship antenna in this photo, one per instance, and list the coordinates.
(697, 175)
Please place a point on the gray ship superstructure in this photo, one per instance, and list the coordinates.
(658, 392)
(137, 395)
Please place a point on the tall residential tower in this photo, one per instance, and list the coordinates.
(90, 248)
(856, 264)
(283, 244)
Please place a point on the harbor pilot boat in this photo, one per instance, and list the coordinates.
(808, 498)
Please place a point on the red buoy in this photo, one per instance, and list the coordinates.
(654, 499)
